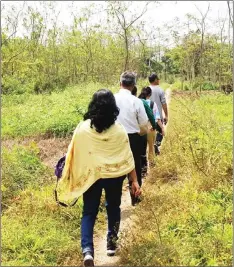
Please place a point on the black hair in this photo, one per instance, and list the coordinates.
(153, 77)
(128, 79)
(145, 92)
(102, 110)
(134, 91)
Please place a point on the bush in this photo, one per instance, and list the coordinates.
(21, 167)
(209, 86)
(185, 219)
(171, 80)
(37, 232)
(12, 85)
(186, 87)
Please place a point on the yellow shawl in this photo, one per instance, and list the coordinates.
(92, 155)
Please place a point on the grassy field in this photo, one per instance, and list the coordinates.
(55, 114)
(186, 216)
(187, 206)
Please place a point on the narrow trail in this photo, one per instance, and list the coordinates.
(127, 218)
(53, 148)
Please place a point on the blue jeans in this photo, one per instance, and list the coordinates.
(91, 199)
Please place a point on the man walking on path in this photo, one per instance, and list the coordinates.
(158, 96)
(133, 117)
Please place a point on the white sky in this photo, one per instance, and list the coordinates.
(158, 15)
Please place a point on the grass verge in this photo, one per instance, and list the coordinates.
(186, 216)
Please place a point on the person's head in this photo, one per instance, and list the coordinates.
(128, 80)
(134, 91)
(154, 79)
(102, 110)
(146, 93)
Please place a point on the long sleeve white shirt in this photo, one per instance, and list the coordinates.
(132, 113)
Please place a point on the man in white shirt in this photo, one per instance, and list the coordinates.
(133, 117)
(158, 96)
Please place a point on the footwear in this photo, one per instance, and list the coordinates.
(136, 200)
(88, 259)
(157, 150)
(110, 252)
(111, 247)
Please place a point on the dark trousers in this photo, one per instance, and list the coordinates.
(144, 162)
(159, 139)
(159, 136)
(136, 146)
(91, 199)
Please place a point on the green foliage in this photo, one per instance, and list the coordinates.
(50, 59)
(12, 85)
(186, 216)
(55, 114)
(36, 232)
(21, 167)
(209, 86)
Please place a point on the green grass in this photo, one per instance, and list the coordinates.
(186, 216)
(21, 167)
(55, 114)
(35, 230)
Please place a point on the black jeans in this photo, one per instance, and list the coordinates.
(136, 146)
(159, 139)
(144, 162)
(159, 136)
(91, 199)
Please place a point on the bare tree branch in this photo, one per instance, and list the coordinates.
(230, 13)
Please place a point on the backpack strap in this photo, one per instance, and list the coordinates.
(61, 203)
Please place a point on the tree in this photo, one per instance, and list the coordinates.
(118, 10)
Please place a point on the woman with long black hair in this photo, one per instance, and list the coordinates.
(99, 157)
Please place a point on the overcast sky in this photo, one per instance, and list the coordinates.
(158, 14)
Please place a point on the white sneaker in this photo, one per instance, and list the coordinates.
(111, 252)
(88, 260)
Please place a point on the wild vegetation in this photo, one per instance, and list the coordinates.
(49, 73)
(186, 216)
(39, 54)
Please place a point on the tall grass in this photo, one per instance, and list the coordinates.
(55, 114)
(186, 216)
(35, 230)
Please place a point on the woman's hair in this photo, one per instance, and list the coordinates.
(145, 92)
(102, 110)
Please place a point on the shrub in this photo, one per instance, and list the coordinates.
(37, 232)
(12, 85)
(209, 86)
(186, 216)
(21, 167)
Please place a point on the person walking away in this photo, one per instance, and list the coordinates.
(89, 168)
(158, 96)
(133, 117)
(154, 126)
(145, 96)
